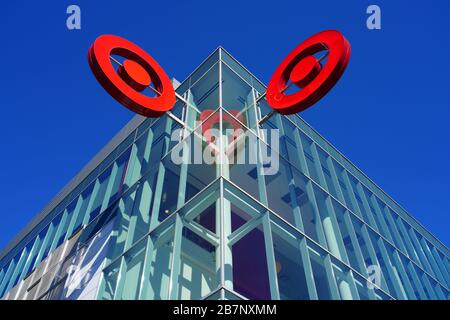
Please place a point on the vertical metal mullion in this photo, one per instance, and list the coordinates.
(396, 282)
(371, 249)
(351, 194)
(176, 259)
(416, 281)
(225, 250)
(366, 205)
(115, 234)
(440, 264)
(145, 278)
(31, 254)
(270, 256)
(301, 152)
(109, 187)
(291, 186)
(226, 253)
(342, 252)
(439, 292)
(331, 277)
(43, 246)
(182, 186)
(430, 289)
(59, 231)
(17, 269)
(407, 241)
(395, 229)
(92, 199)
(358, 251)
(2, 273)
(254, 111)
(318, 165)
(381, 219)
(121, 277)
(154, 219)
(402, 272)
(355, 242)
(313, 200)
(425, 264)
(182, 182)
(74, 217)
(133, 169)
(351, 281)
(132, 218)
(7, 276)
(436, 270)
(335, 179)
(309, 274)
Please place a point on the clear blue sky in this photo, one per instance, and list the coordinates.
(389, 114)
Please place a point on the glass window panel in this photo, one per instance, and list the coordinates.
(289, 267)
(245, 173)
(102, 181)
(285, 191)
(389, 283)
(124, 214)
(207, 218)
(323, 158)
(398, 275)
(323, 286)
(65, 223)
(110, 281)
(158, 279)
(198, 270)
(85, 198)
(358, 225)
(206, 90)
(250, 273)
(134, 266)
(361, 286)
(119, 179)
(330, 228)
(310, 160)
(340, 171)
(293, 147)
(345, 233)
(235, 90)
(238, 217)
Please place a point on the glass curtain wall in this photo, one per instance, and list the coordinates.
(277, 213)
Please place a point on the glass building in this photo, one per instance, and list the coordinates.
(134, 224)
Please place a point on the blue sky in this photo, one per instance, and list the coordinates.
(389, 114)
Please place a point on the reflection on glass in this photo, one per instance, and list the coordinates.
(323, 287)
(250, 275)
(289, 267)
(199, 273)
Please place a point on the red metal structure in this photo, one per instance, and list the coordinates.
(302, 68)
(139, 70)
(134, 75)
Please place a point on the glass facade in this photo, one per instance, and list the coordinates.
(140, 226)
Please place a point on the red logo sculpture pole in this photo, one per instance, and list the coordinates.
(135, 74)
(303, 69)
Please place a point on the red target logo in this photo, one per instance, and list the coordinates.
(306, 71)
(313, 75)
(135, 74)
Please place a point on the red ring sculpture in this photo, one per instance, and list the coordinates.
(315, 81)
(124, 85)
